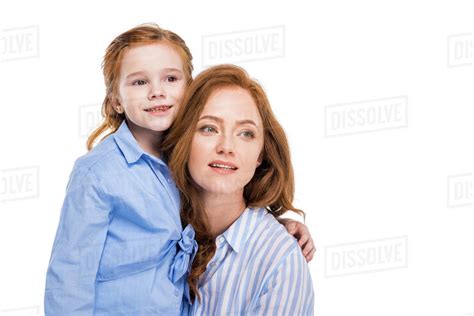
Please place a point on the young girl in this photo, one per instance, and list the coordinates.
(120, 248)
(230, 159)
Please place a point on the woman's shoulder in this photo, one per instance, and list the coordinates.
(270, 235)
(273, 247)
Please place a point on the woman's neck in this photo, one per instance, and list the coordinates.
(223, 210)
(149, 141)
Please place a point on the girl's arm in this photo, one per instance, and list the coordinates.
(289, 291)
(301, 232)
(70, 280)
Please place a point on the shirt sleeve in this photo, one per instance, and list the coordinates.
(78, 246)
(289, 291)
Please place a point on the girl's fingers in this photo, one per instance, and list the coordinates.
(309, 257)
(308, 247)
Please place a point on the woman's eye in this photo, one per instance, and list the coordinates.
(139, 82)
(171, 78)
(248, 134)
(208, 129)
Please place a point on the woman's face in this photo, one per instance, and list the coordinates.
(227, 143)
(152, 84)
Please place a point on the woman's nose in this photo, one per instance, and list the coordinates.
(225, 145)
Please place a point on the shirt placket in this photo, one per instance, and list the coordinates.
(215, 264)
(166, 181)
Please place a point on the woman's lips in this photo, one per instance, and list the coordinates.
(223, 167)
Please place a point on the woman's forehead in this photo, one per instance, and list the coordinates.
(232, 104)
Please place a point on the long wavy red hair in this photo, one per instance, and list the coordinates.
(144, 34)
(272, 185)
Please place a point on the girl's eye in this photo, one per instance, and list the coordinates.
(208, 129)
(139, 82)
(171, 78)
(248, 134)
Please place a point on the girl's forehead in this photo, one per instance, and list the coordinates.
(151, 56)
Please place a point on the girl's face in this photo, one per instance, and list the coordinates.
(227, 143)
(152, 84)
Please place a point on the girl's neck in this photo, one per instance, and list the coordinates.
(223, 210)
(149, 141)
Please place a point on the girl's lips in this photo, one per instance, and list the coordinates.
(159, 110)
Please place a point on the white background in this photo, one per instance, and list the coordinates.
(372, 186)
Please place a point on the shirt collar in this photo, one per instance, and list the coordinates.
(127, 143)
(238, 233)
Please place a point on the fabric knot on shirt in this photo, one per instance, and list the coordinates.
(184, 257)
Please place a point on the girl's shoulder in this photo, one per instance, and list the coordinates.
(104, 156)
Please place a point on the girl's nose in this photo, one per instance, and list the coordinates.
(156, 91)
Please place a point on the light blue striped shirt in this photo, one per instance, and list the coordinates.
(258, 269)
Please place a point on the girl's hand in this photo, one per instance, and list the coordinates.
(301, 232)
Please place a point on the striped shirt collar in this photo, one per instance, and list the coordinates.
(239, 232)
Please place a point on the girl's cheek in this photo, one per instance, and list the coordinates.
(180, 90)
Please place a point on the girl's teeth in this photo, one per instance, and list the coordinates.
(159, 109)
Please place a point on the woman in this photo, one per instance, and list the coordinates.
(230, 159)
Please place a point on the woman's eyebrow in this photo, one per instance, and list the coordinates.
(219, 120)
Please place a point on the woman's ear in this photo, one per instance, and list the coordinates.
(260, 159)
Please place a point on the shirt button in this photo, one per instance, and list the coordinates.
(169, 180)
(221, 240)
(212, 264)
(176, 292)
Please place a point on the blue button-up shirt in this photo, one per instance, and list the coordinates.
(258, 269)
(115, 251)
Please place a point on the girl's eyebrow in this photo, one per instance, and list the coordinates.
(173, 69)
(143, 72)
(135, 74)
(219, 120)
